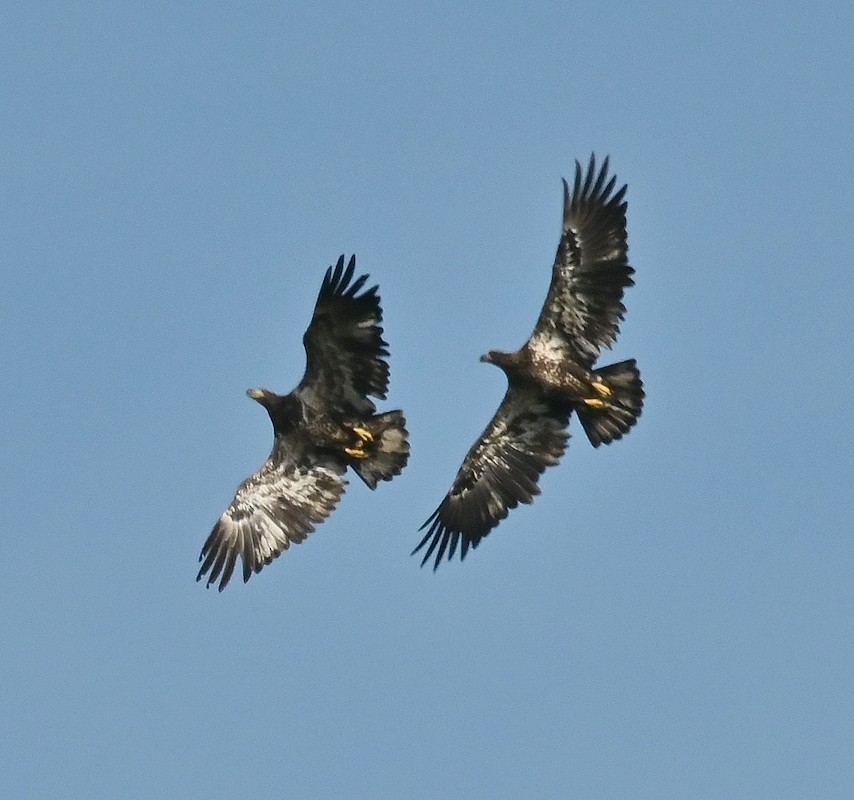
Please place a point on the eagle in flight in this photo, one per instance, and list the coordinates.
(326, 424)
(553, 373)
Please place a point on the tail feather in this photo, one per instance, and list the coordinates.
(388, 452)
(624, 405)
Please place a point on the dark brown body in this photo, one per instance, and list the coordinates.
(559, 379)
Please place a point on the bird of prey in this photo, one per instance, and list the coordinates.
(326, 424)
(552, 374)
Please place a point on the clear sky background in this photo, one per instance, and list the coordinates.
(672, 618)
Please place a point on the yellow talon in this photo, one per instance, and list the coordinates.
(364, 434)
(595, 402)
(601, 388)
(358, 451)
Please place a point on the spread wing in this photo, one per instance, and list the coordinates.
(274, 508)
(345, 351)
(526, 435)
(584, 306)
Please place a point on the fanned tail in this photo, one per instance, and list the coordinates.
(622, 407)
(387, 453)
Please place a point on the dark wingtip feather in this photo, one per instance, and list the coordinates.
(337, 281)
(355, 286)
(429, 520)
(216, 559)
(228, 570)
(336, 273)
(588, 178)
(337, 277)
(208, 554)
(442, 537)
(455, 538)
(434, 523)
(430, 549)
(348, 273)
(565, 196)
(590, 182)
(217, 566)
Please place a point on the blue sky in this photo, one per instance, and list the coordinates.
(672, 617)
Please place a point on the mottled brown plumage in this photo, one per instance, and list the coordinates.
(328, 423)
(552, 374)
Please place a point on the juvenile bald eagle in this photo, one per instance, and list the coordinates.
(328, 423)
(552, 375)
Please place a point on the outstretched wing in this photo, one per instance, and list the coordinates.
(274, 508)
(526, 435)
(584, 306)
(345, 351)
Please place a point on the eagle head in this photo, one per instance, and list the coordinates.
(284, 410)
(270, 400)
(262, 396)
(499, 358)
(511, 363)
